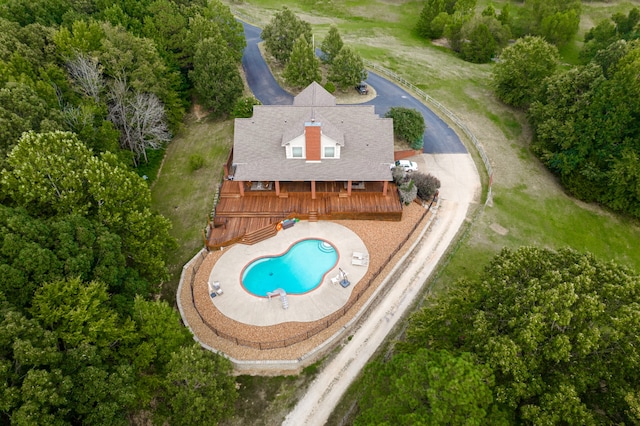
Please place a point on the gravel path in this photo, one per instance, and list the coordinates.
(460, 188)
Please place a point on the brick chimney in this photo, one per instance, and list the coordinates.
(312, 140)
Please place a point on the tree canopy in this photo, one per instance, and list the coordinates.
(521, 69)
(557, 329)
(282, 32)
(347, 68)
(331, 45)
(303, 67)
(408, 125)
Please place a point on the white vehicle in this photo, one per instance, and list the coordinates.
(408, 166)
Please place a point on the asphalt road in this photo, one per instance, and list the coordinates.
(439, 138)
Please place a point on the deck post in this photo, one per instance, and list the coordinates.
(349, 187)
(241, 184)
(313, 189)
(385, 185)
(277, 187)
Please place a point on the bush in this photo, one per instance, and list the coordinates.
(244, 107)
(398, 175)
(408, 192)
(408, 124)
(427, 185)
(330, 87)
(196, 161)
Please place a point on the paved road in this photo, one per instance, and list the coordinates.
(439, 138)
(446, 158)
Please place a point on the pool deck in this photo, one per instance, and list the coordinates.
(236, 303)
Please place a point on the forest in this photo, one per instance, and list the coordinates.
(91, 90)
(88, 90)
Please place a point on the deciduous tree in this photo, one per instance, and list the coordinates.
(521, 69)
(408, 125)
(556, 328)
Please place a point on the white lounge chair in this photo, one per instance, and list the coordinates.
(358, 255)
(359, 262)
(336, 279)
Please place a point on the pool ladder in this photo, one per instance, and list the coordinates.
(283, 297)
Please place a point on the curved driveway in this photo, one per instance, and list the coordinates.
(439, 138)
(446, 158)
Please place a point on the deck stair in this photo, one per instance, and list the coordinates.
(259, 235)
(313, 216)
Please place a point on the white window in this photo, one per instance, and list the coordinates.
(296, 151)
(329, 151)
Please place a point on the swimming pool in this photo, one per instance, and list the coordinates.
(299, 270)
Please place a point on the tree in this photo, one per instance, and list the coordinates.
(521, 69)
(426, 387)
(229, 27)
(347, 69)
(54, 174)
(481, 45)
(331, 45)
(215, 76)
(303, 67)
(282, 32)
(408, 125)
(199, 388)
(430, 10)
(140, 118)
(557, 329)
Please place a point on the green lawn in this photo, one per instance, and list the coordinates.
(184, 195)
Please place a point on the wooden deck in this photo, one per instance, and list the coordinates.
(236, 216)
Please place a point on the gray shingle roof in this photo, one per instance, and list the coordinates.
(366, 141)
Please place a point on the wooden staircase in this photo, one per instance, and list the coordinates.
(313, 216)
(259, 235)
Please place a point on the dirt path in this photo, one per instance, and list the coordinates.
(460, 188)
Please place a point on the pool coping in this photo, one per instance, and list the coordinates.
(237, 304)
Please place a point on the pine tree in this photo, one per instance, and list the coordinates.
(347, 68)
(331, 45)
(303, 67)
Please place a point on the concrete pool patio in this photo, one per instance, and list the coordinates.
(251, 348)
(238, 304)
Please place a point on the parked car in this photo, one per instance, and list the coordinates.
(362, 88)
(408, 166)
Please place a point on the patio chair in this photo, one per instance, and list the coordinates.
(336, 279)
(360, 262)
(358, 255)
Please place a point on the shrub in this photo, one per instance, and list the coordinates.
(427, 185)
(408, 192)
(398, 175)
(244, 107)
(196, 161)
(330, 87)
(408, 124)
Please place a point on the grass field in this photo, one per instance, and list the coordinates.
(185, 195)
(529, 207)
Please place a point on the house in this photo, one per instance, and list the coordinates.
(313, 160)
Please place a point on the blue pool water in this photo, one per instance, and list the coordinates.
(297, 271)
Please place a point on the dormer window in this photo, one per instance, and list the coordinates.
(296, 151)
(329, 151)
